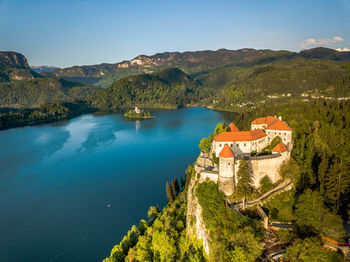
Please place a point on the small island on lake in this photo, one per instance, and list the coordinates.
(138, 114)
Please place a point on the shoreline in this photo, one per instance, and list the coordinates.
(96, 110)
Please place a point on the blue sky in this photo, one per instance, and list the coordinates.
(80, 32)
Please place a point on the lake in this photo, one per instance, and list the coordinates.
(70, 191)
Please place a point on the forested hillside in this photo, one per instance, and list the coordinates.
(33, 93)
(168, 88)
(277, 81)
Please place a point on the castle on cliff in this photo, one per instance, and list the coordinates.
(232, 146)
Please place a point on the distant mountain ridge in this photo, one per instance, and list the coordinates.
(192, 62)
(45, 68)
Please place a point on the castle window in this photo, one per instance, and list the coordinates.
(229, 163)
(231, 145)
(237, 145)
(245, 144)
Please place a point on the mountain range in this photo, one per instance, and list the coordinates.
(222, 79)
(192, 63)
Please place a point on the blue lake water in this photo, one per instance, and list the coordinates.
(70, 191)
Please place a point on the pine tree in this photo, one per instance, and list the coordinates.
(337, 182)
(169, 193)
(321, 172)
(183, 182)
(245, 181)
(175, 187)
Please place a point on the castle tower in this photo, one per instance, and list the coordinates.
(226, 170)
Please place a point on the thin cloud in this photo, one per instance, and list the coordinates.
(345, 49)
(321, 41)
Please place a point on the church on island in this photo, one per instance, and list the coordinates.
(232, 146)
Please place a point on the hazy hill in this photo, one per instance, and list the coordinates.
(41, 69)
(22, 87)
(325, 53)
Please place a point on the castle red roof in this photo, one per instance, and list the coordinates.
(226, 152)
(278, 125)
(273, 123)
(264, 120)
(233, 128)
(240, 136)
(280, 148)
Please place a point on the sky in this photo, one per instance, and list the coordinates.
(83, 32)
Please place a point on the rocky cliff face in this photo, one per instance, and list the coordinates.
(13, 59)
(195, 225)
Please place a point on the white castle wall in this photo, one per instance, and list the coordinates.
(211, 175)
(262, 167)
(286, 136)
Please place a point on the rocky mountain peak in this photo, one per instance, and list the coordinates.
(13, 59)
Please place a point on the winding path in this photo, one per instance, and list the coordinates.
(276, 189)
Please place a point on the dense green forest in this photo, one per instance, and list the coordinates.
(317, 204)
(34, 92)
(46, 113)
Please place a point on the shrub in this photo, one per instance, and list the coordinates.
(265, 184)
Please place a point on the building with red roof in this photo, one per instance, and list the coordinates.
(273, 127)
(233, 128)
(226, 152)
(263, 131)
(280, 148)
(241, 142)
(232, 146)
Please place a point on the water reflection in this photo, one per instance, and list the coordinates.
(23, 151)
(137, 124)
(78, 133)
